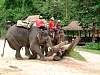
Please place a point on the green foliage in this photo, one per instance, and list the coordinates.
(65, 21)
(2, 32)
(93, 46)
(88, 11)
(85, 11)
(1, 3)
(80, 48)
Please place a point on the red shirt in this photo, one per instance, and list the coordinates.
(51, 25)
(39, 23)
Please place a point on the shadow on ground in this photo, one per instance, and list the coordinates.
(77, 56)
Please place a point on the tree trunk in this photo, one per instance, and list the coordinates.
(63, 47)
(66, 14)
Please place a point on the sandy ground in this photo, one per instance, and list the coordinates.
(68, 66)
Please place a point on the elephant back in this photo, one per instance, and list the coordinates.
(20, 34)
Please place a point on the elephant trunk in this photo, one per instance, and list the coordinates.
(49, 43)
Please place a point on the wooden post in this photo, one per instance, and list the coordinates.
(73, 34)
(93, 32)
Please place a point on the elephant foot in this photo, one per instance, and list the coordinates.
(33, 57)
(18, 57)
(27, 54)
(56, 58)
(43, 59)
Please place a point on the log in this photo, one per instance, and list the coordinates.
(56, 48)
(63, 46)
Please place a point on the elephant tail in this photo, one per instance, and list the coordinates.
(3, 47)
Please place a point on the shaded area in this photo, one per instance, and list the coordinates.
(76, 55)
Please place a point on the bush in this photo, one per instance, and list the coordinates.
(64, 21)
(93, 46)
(2, 32)
(11, 15)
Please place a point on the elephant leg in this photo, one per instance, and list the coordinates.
(37, 49)
(13, 43)
(46, 50)
(18, 55)
(33, 56)
(27, 52)
(42, 49)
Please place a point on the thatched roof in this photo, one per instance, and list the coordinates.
(74, 25)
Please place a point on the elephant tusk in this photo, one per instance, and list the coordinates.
(49, 48)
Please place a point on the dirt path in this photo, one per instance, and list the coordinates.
(68, 66)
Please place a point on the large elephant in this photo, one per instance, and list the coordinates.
(32, 38)
(57, 36)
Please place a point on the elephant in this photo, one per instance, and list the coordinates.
(58, 38)
(32, 39)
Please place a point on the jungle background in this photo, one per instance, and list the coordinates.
(84, 11)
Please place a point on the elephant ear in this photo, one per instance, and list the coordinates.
(41, 35)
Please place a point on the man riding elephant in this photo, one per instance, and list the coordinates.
(32, 38)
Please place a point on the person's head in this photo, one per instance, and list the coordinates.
(40, 17)
(52, 18)
(58, 21)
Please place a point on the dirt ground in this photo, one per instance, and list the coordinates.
(67, 66)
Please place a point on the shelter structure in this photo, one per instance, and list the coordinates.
(73, 28)
(87, 34)
(74, 25)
